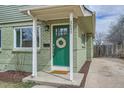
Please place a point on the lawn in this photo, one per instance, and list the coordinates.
(4, 84)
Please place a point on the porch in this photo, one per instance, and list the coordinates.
(51, 13)
(46, 78)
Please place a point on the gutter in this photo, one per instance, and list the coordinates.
(87, 9)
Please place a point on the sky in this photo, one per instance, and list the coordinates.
(106, 15)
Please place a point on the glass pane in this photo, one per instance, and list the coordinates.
(0, 38)
(38, 37)
(62, 31)
(17, 37)
(65, 31)
(83, 39)
(26, 37)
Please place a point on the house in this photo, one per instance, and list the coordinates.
(35, 38)
(103, 49)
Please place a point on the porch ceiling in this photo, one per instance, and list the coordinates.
(55, 12)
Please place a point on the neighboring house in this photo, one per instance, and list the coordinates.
(109, 49)
(63, 35)
(103, 49)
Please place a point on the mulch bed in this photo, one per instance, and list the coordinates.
(13, 76)
(84, 70)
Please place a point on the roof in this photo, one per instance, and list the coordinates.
(11, 13)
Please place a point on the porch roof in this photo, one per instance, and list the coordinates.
(54, 12)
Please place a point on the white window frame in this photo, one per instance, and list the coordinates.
(21, 37)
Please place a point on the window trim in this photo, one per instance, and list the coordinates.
(26, 48)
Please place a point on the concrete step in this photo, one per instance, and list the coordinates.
(55, 80)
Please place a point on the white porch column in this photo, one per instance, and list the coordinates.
(71, 46)
(34, 47)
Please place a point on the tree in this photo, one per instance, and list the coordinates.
(116, 36)
(99, 38)
(116, 33)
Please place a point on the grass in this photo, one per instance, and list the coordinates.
(16, 84)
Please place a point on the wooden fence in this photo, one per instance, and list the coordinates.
(108, 51)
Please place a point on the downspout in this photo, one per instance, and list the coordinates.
(34, 45)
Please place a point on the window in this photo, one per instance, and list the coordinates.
(61, 31)
(23, 37)
(0, 38)
(83, 39)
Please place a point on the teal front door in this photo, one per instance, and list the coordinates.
(61, 45)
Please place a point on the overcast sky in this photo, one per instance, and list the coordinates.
(106, 15)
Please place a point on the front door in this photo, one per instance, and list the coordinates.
(61, 45)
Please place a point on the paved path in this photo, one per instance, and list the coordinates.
(106, 73)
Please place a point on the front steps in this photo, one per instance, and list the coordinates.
(55, 80)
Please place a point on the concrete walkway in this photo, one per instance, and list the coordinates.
(106, 73)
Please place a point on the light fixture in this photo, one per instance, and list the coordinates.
(47, 28)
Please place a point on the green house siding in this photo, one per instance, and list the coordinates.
(81, 50)
(22, 60)
(7, 38)
(89, 47)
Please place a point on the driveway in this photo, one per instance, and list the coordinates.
(106, 73)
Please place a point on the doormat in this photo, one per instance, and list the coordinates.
(59, 72)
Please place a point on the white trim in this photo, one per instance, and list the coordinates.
(71, 46)
(39, 30)
(52, 67)
(34, 48)
(14, 43)
(24, 50)
(85, 39)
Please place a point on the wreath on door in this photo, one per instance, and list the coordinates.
(60, 42)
